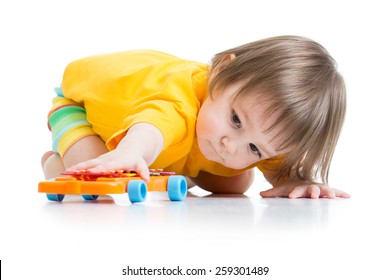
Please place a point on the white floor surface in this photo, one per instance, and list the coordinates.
(332, 239)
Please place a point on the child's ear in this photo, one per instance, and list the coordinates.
(228, 57)
(221, 64)
(224, 61)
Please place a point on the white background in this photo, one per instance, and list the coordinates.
(38, 39)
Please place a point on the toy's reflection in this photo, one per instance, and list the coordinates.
(210, 212)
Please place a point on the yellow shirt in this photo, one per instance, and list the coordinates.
(121, 89)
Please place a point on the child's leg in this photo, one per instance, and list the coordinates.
(52, 165)
(84, 149)
(46, 156)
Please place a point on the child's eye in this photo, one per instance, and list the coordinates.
(254, 149)
(235, 119)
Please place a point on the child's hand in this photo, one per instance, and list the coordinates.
(115, 160)
(304, 191)
(136, 151)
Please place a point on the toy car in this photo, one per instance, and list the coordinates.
(91, 185)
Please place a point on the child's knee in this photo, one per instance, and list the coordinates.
(52, 165)
(46, 156)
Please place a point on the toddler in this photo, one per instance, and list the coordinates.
(276, 104)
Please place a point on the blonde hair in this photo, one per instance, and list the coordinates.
(299, 80)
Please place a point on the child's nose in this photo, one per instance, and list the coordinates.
(229, 145)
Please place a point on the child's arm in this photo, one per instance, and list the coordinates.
(136, 151)
(237, 184)
(296, 188)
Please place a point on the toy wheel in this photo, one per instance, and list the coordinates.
(177, 188)
(90, 196)
(55, 197)
(137, 190)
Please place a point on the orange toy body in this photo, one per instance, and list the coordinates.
(90, 185)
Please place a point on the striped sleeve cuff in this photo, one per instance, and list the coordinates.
(68, 123)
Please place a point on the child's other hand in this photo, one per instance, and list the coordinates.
(115, 160)
(304, 191)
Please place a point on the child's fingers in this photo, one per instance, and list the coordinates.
(342, 194)
(302, 191)
(84, 165)
(328, 192)
(104, 163)
(274, 192)
(143, 171)
(313, 191)
(309, 191)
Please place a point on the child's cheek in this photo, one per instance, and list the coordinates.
(211, 125)
(203, 121)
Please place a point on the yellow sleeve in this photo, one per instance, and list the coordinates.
(161, 114)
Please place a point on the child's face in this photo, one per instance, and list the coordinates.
(232, 132)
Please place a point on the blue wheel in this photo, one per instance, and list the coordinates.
(90, 196)
(55, 197)
(137, 190)
(177, 188)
